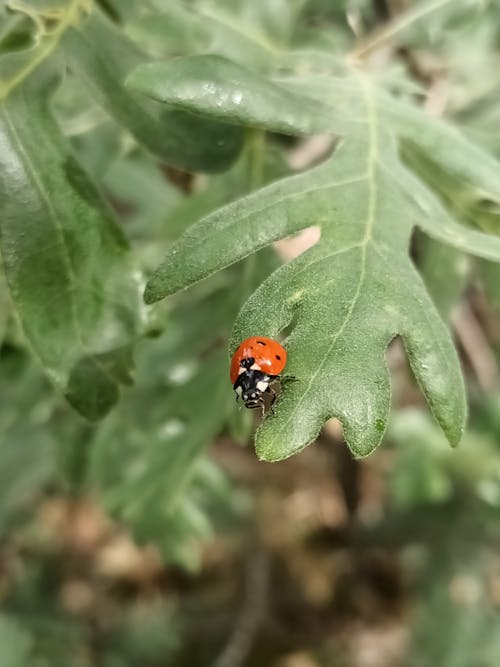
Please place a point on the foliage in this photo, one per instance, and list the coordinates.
(364, 197)
(452, 504)
(145, 149)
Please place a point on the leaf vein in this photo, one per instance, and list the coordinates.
(370, 220)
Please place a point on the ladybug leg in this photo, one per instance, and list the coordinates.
(259, 403)
(274, 396)
(287, 378)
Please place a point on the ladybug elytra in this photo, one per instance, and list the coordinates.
(255, 364)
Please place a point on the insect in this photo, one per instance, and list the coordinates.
(255, 364)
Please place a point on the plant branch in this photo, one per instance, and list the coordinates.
(398, 24)
(251, 615)
(67, 17)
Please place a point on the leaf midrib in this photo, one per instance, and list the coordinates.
(57, 225)
(371, 121)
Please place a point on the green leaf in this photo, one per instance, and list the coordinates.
(219, 88)
(347, 297)
(374, 293)
(101, 57)
(336, 348)
(67, 263)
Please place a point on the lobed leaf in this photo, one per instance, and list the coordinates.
(346, 298)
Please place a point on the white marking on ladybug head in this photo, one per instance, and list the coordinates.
(255, 367)
(262, 386)
(239, 390)
(241, 370)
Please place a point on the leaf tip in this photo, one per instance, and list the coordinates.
(151, 295)
(267, 454)
(455, 432)
(360, 449)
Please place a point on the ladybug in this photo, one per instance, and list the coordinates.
(255, 364)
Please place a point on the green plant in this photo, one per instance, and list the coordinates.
(96, 98)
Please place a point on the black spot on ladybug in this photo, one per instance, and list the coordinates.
(260, 342)
(278, 357)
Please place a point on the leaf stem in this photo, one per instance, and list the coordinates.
(400, 23)
(68, 16)
(255, 145)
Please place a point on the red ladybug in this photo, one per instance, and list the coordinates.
(255, 364)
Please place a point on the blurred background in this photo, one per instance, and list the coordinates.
(156, 538)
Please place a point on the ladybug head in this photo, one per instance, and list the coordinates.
(250, 387)
(253, 398)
